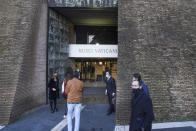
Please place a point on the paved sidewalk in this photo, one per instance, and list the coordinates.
(93, 118)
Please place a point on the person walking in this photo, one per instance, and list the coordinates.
(53, 86)
(141, 109)
(110, 91)
(74, 91)
(137, 77)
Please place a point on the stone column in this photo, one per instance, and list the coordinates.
(157, 39)
(23, 42)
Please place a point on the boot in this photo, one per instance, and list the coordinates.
(55, 108)
(51, 107)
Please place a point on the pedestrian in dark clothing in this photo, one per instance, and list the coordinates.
(137, 77)
(141, 109)
(56, 74)
(110, 91)
(53, 85)
(78, 74)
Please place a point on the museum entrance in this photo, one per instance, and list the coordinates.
(93, 70)
(85, 39)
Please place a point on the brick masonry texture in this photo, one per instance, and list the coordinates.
(157, 38)
(23, 38)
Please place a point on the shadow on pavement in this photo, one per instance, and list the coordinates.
(93, 118)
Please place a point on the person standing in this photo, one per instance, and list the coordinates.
(57, 90)
(74, 91)
(79, 74)
(137, 77)
(53, 85)
(110, 91)
(141, 109)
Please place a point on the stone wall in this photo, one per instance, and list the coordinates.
(61, 34)
(23, 38)
(83, 3)
(158, 40)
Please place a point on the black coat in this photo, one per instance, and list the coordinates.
(53, 84)
(142, 112)
(110, 86)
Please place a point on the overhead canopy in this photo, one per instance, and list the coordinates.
(90, 16)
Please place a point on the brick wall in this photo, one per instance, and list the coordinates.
(23, 36)
(158, 40)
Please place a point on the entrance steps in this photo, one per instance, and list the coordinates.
(94, 84)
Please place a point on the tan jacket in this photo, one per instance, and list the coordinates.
(74, 90)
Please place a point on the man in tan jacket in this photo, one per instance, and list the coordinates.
(74, 91)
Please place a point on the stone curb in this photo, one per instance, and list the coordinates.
(162, 125)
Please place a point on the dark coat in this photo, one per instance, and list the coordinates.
(110, 86)
(53, 84)
(145, 88)
(142, 112)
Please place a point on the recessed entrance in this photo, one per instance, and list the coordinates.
(94, 70)
(85, 39)
(83, 26)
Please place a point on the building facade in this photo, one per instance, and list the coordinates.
(154, 38)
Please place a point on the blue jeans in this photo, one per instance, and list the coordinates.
(76, 107)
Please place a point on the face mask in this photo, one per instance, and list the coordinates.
(136, 91)
(107, 76)
(133, 79)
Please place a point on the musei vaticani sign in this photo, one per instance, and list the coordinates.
(93, 51)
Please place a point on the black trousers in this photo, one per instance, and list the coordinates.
(65, 98)
(148, 127)
(111, 104)
(53, 103)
